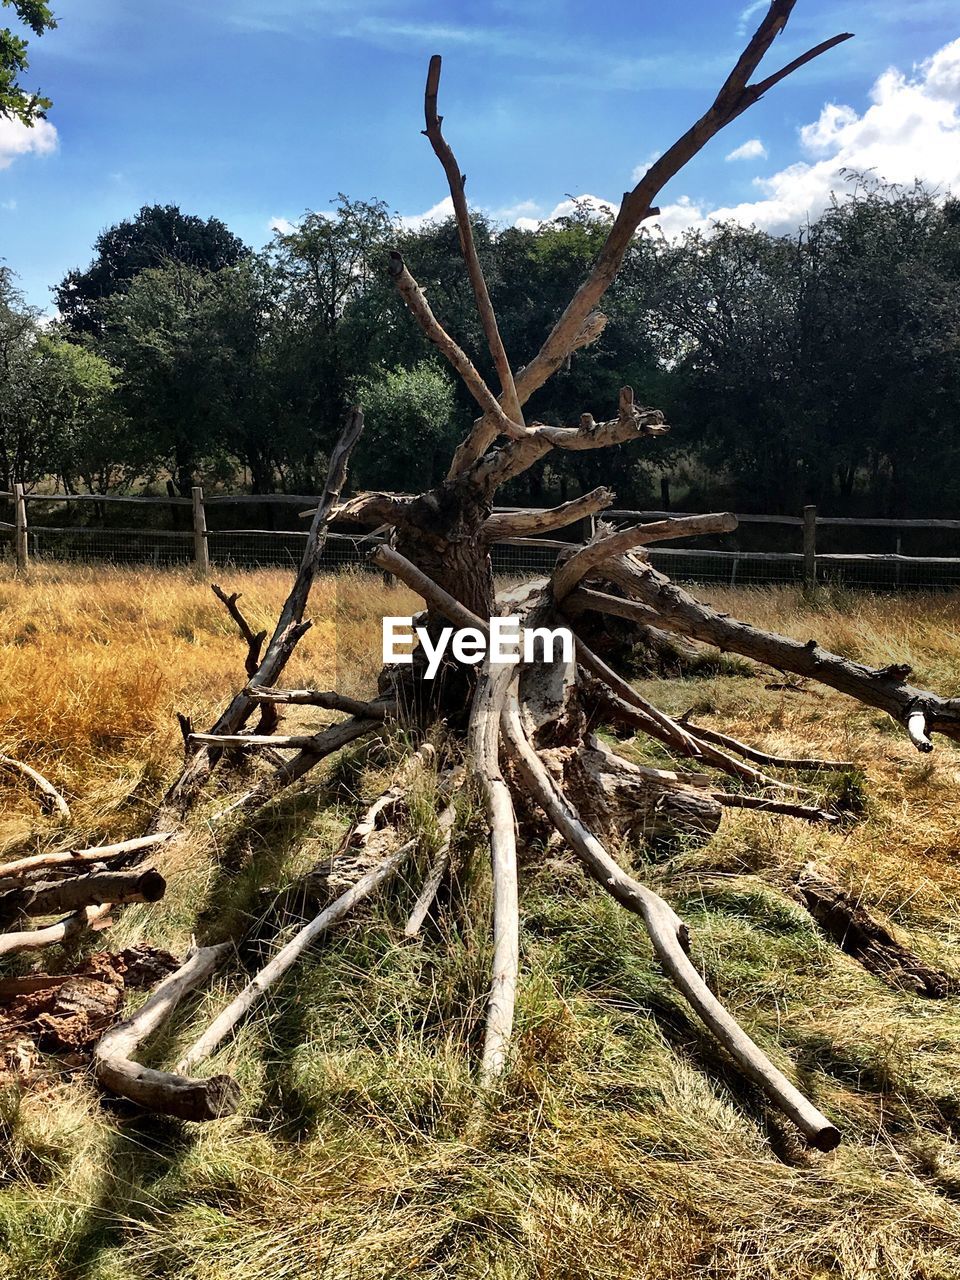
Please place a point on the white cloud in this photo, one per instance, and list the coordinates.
(16, 139)
(911, 129)
(442, 209)
(744, 23)
(283, 225)
(8, 206)
(752, 149)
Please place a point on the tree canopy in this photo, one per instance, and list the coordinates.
(15, 102)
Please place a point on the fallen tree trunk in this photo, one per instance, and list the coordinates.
(884, 688)
(864, 938)
(77, 857)
(113, 887)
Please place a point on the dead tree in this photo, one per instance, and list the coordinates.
(527, 740)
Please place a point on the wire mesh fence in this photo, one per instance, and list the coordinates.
(164, 532)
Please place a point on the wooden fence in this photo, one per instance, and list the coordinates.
(195, 540)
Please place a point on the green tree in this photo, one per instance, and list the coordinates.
(406, 439)
(15, 102)
(158, 235)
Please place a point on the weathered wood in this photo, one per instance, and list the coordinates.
(160, 1091)
(434, 877)
(69, 857)
(116, 887)
(808, 812)
(861, 936)
(328, 700)
(483, 743)
(585, 561)
(20, 544)
(420, 309)
(201, 554)
(763, 757)
(456, 182)
(735, 96)
(809, 547)
(253, 992)
(50, 798)
(289, 628)
(884, 688)
(49, 935)
(318, 747)
(668, 935)
(508, 525)
(254, 640)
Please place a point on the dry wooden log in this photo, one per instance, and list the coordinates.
(861, 936)
(763, 757)
(437, 599)
(171, 1095)
(91, 917)
(521, 524)
(113, 887)
(328, 700)
(809, 813)
(617, 798)
(885, 688)
(668, 935)
(585, 561)
(483, 740)
(279, 741)
(77, 857)
(253, 992)
(50, 798)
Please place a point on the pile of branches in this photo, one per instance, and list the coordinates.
(528, 738)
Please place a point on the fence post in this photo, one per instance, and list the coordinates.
(809, 547)
(201, 554)
(20, 529)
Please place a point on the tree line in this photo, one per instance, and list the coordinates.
(823, 367)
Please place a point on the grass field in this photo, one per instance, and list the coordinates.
(622, 1143)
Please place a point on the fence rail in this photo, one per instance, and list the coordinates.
(152, 542)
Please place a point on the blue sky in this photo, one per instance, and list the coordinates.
(253, 111)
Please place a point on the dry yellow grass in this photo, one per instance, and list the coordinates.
(622, 1145)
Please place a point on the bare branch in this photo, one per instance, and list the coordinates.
(484, 739)
(734, 97)
(254, 991)
(518, 524)
(391, 560)
(761, 757)
(81, 891)
(34, 939)
(885, 688)
(668, 935)
(71, 857)
(419, 307)
(588, 558)
(254, 641)
(807, 812)
(456, 182)
(631, 423)
(50, 798)
(328, 700)
(290, 627)
(171, 1095)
